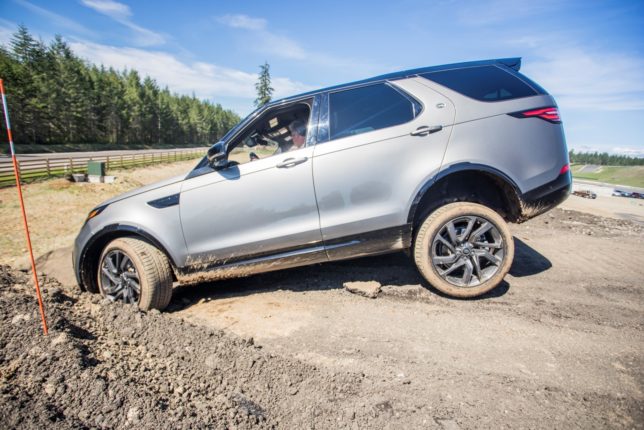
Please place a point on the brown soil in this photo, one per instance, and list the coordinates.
(560, 344)
(106, 365)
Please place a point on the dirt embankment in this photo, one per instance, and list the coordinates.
(106, 365)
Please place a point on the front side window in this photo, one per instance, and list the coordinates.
(277, 131)
(364, 109)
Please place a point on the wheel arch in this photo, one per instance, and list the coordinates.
(476, 183)
(89, 255)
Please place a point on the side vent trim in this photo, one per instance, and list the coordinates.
(165, 202)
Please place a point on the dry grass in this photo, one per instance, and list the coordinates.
(56, 209)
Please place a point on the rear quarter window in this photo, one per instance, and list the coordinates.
(484, 83)
(369, 108)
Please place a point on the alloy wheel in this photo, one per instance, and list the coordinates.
(119, 278)
(467, 251)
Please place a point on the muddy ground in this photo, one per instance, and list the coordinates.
(560, 344)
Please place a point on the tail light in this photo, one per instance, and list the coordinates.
(565, 169)
(550, 114)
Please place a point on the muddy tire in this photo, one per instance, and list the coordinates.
(134, 271)
(464, 249)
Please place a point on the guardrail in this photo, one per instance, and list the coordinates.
(56, 166)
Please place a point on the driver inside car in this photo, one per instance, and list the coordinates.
(298, 137)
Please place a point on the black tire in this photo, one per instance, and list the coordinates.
(447, 249)
(142, 276)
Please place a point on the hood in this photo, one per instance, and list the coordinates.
(144, 189)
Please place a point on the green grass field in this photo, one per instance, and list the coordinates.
(632, 176)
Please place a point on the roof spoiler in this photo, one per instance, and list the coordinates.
(513, 63)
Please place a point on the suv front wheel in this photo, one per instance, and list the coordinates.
(133, 271)
(464, 249)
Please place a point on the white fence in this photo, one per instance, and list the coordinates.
(43, 167)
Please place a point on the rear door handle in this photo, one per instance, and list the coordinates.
(426, 129)
(290, 162)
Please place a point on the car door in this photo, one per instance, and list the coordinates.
(380, 145)
(253, 210)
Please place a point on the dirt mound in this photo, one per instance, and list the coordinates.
(106, 365)
(573, 221)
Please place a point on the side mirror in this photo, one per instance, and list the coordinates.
(217, 157)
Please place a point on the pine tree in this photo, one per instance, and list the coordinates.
(263, 86)
(55, 97)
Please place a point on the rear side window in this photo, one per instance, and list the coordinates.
(369, 108)
(484, 83)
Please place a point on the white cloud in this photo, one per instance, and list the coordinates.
(280, 46)
(265, 41)
(273, 44)
(204, 79)
(110, 8)
(143, 36)
(7, 28)
(600, 81)
(56, 19)
(632, 152)
(586, 148)
(243, 21)
(122, 14)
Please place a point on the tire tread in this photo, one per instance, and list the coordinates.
(421, 249)
(156, 285)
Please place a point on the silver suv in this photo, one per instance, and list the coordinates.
(434, 160)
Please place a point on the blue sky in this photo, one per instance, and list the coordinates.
(588, 54)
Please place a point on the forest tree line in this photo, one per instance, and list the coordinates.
(55, 97)
(604, 159)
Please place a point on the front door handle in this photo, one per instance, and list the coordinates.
(290, 162)
(426, 129)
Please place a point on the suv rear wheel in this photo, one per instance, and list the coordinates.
(464, 249)
(133, 271)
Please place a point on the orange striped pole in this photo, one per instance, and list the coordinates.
(22, 207)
